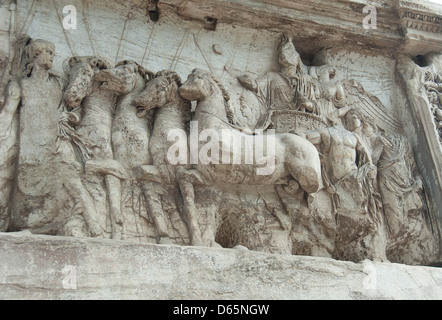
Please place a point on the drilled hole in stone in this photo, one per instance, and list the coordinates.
(421, 61)
(210, 23)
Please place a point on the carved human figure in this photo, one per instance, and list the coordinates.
(292, 88)
(332, 93)
(348, 175)
(339, 147)
(47, 166)
(96, 110)
(8, 149)
(410, 222)
(397, 177)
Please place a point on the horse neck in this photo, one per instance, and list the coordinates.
(173, 115)
(101, 98)
(212, 109)
(127, 99)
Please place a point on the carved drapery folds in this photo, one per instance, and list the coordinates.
(107, 152)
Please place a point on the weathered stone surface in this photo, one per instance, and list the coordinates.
(43, 267)
(88, 112)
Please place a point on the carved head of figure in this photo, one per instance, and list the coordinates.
(287, 54)
(80, 71)
(369, 128)
(124, 78)
(159, 91)
(324, 73)
(40, 54)
(353, 120)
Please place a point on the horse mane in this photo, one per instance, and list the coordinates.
(226, 96)
(171, 76)
(146, 74)
(95, 62)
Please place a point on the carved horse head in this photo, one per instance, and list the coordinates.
(198, 86)
(201, 85)
(124, 78)
(80, 71)
(160, 91)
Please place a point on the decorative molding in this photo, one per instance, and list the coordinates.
(421, 25)
(420, 17)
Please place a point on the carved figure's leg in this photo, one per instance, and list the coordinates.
(156, 210)
(149, 173)
(107, 167)
(113, 186)
(86, 205)
(190, 211)
(8, 150)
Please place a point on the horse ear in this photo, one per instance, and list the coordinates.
(104, 64)
(141, 71)
(176, 77)
(28, 46)
(149, 75)
(72, 61)
(94, 62)
(99, 63)
(121, 63)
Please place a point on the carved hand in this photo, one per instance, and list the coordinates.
(417, 185)
(74, 118)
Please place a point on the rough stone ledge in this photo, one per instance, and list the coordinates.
(46, 267)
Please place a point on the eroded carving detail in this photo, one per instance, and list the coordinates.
(115, 152)
(433, 86)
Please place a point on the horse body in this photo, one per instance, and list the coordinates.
(171, 113)
(96, 123)
(98, 109)
(294, 156)
(130, 134)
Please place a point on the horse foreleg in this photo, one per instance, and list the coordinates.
(156, 210)
(85, 204)
(303, 163)
(190, 212)
(149, 173)
(113, 186)
(107, 167)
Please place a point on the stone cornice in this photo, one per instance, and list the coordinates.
(315, 24)
(408, 25)
(420, 17)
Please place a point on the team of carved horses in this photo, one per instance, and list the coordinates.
(136, 145)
